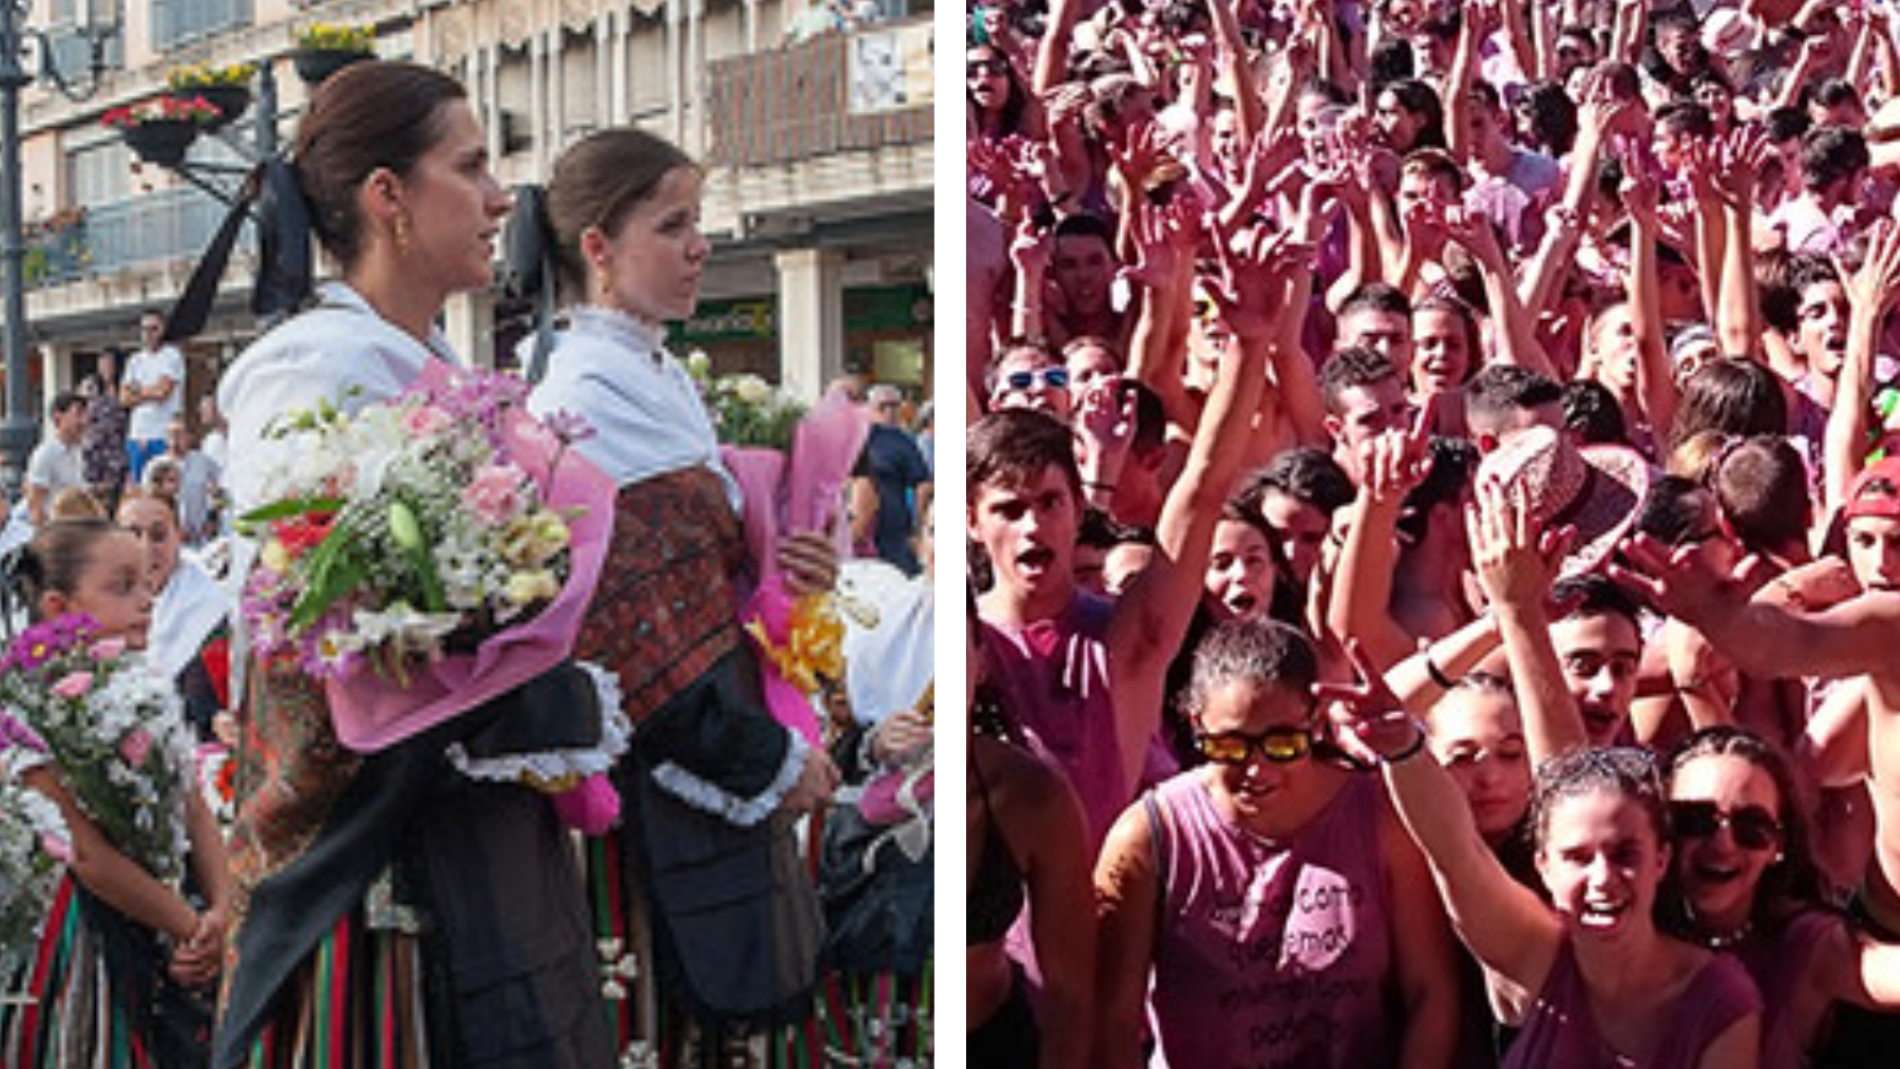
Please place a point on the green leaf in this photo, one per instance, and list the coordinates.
(300, 506)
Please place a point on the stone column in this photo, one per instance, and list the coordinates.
(811, 319)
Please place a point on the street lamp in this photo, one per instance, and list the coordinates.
(21, 425)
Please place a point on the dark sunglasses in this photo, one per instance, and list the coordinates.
(1053, 378)
(998, 67)
(1279, 745)
(1754, 828)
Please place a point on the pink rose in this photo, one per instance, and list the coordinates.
(426, 421)
(136, 747)
(493, 496)
(74, 685)
(108, 649)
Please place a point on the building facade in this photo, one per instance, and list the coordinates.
(817, 147)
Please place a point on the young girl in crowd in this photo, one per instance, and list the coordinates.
(1588, 978)
(127, 965)
(1275, 898)
(189, 610)
(339, 856)
(713, 783)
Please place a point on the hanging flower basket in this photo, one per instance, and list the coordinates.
(316, 64)
(227, 89)
(162, 141)
(161, 130)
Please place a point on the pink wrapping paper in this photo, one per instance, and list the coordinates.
(782, 495)
(372, 713)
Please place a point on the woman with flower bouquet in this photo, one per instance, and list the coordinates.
(124, 970)
(714, 782)
(393, 911)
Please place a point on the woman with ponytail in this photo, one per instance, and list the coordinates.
(391, 912)
(713, 783)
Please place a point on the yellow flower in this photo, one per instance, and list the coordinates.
(528, 588)
(813, 652)
(275, 556)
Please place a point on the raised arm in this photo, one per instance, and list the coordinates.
(1656, 387)
(1516, 329)
(1152, 618)
(1515, 564)
(1738, 321)
(1503, 922)
(1871, 292)
(1360, 609)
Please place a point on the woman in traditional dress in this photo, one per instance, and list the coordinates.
(713, 783)
(391, 912)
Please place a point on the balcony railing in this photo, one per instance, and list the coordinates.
(835, 93)
(175, 224)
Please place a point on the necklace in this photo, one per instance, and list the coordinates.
(1719, 941)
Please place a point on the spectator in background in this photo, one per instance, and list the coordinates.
(103, 444)
(55, 464)
(153, 391)
(197, 484)
(894, 466)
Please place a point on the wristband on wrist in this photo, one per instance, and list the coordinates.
(1438, 674)
(1418, 743)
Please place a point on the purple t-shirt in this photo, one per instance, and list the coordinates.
(1054, 674)
(1561, 1030)
(1274, 953)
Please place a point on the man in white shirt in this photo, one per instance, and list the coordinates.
(56, 463)
(153, 391)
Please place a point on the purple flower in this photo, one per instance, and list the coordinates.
(44, 641)
(569, 427)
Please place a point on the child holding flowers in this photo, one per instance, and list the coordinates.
(130, 952)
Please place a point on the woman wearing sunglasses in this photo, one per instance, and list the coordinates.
(1267, 890)
(1744, 881)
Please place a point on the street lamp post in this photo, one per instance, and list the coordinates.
(20, 427)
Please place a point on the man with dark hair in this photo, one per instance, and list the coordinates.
(1378, 317)
(1082, 266)
(1834, 160)
(57, 462)
(1599, 644)
(1363, 397)
(1083, 676)
(1296, 494)
(153, 390)
(1504, 398)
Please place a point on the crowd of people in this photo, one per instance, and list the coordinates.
(357, 906)
(1435, 533)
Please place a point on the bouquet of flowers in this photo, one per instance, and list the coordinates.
(791, 466)
(746, 410)
(34, 844)
(115, 730)
(426, 554)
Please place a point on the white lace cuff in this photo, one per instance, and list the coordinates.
(743, 812)
(550, 766)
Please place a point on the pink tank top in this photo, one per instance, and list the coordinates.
(1054, 675)
(1561, 1032)
(1273, 954)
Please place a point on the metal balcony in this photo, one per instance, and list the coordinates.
(171, 225)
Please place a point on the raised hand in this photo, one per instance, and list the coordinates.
(1029, 250)
(1515, 562)
(1256, 267)
(1368, 721)
(1474, 231)
(1876, 284)
(1105, 422)
(1639, 189)
(1685, 582)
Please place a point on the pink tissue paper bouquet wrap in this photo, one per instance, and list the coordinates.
(784, 494)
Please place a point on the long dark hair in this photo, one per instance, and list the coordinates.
(1793, 883)
(596, 183)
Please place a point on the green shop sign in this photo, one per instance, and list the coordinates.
(871, 309)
